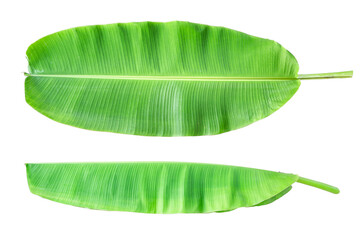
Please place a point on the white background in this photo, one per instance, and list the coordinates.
(316, 134)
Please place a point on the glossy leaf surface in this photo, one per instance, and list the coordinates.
(160, 187)
(158, 79)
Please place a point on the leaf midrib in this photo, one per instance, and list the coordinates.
(166, 78)
(346, 74)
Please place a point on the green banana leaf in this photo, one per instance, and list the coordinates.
(160, 79)
(160, 187)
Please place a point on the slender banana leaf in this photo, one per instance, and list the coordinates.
(160, 187)
(160, 79)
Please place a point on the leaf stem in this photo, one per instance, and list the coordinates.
(320, 185)
(347, 74)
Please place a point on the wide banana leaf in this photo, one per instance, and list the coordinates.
(160, 79)
(160, 187)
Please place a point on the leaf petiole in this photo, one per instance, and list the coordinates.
(347, 74)
(320, 185)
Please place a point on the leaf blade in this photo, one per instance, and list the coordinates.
(176, 50)
(156, 187)
(163, 108)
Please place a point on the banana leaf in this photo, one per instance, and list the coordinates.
(160, 79)
(160, 187)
